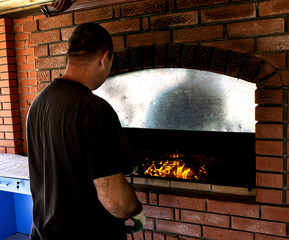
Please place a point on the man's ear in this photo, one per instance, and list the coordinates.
(104, 57)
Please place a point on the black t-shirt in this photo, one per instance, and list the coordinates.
(73, 138)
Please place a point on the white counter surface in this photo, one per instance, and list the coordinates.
(14, 166)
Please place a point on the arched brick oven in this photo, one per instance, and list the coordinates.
(204, 35)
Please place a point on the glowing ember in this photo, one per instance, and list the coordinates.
(175, 168)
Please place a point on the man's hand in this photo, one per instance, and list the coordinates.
(139, 222)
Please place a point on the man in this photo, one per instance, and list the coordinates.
(78, 154)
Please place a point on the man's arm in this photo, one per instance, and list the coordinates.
(117, 196)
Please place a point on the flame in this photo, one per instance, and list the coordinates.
(175, 168)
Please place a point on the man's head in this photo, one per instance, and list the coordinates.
(87, 40)
(89, 55)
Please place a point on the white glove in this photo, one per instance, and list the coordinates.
(139, 222)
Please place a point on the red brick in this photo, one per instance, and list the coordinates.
(22, 20)
(10, 105)
(181, 4)
(143, 197)
(55, 22)
(198, 34)
(174, 20)
(24, 52)
(118, 42)
(15, 150)
(122, 26)
(27, 97)
(159, 212)
(58, 48)
(148, 38)
(7, 60)
(6, 127)
(4, 83)
(268, 114)
(4, 45)
(40, 51)
(179, 228)
(158, 236)
(18, 29)
(41, 86)
(30, 89)
(281, 43)
(8, 68)
(269, 180)
(153, 199)
(231, 208)
(93, 15)
(27, 82)
(273, 7)
(10, 143)
(137, 235)
(269, 147)
(20, 60)
(228, 13)
(275, 213)
(284, 75)
(31, 59)
(240, 45)
(3, 150)
(266, 237)
(226, 234)
(21, 36)
(66, 32)
(43, 76)
(26, 67)
(7, 52)
(7, 37)
(269, 196)
(6, 21)
(8, 75)
(7, 29)
(259, 226)
(30, 26)
(31, 74)
(182, 202)
(143, 7)
(52, 62)
(145, 24)
(24, 104)
(55, 73)
(253, 28)
(38, 17)
(269, 96)
(205, 218)
(269, 130)
(9, 113)
(269, 164)
(9, 136)
(278, 60)
(116, 11)
(44, 37)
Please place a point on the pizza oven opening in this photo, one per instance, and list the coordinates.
(216, 158)
(187, 125)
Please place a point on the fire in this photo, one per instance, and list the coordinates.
(175, 168)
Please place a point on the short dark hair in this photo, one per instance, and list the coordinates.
(87, 39)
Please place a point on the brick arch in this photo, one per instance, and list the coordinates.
(239, 65)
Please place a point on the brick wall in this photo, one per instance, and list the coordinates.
(153, 29)
(10, 121)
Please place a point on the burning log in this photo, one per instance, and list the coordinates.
(175, 168)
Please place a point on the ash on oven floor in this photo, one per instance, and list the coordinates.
(18, 236)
